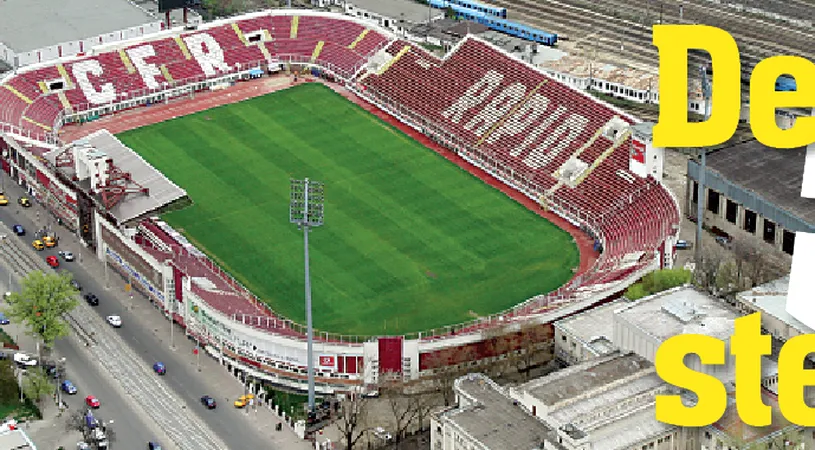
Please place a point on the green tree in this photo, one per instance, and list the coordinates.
(42, 303)
(658, 281)
(37, 385)
(9, 394)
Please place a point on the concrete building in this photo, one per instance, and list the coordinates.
(395, 15)
(753, 193)
(13, 438)
(588, 335)
(487, 418)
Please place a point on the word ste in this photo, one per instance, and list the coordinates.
(674, 130)
(747, 345)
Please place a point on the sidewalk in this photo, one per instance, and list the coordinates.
(48, 433)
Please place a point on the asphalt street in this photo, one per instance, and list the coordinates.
(184, 383)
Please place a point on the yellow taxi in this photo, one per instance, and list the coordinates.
(3, 199)
(38, 245)
(49, 241)
(243, 400)
(24, 202)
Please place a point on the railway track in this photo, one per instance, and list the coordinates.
(625, 23)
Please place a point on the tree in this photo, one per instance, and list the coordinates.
(402, 408)
(352, 421)
(37, 385)
(9, 393)
(42, 303)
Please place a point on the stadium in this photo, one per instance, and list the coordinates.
(130, 144)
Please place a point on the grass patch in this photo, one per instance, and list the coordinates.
(410, 240)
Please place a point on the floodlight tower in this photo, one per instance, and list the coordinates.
(306, 210)
(700, 185)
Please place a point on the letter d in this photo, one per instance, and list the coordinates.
(673, 129)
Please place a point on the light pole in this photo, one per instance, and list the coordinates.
(306, 210)
(172, 324)
(700, 185)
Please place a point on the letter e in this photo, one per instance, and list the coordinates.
(747, 345)
(793, 379)
(712, 396)
(764, 100)
(673, 128)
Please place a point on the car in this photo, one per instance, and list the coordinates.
(243, 400)
(52, 261)
(24, 360)
(92, 401)
(82, 446)
(114, 321)
(24, 202)
(209, 402)
(49, 241)
(38, 245)
(3, 319)
(92, 299)
(3, 199)
(75, 284)
(153, 446)
(683, 245)
(724, 241)
(159, 368)
(18, 230)
(67, 256)
(68, 387)
(382, 434)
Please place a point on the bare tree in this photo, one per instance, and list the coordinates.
(423, 403)
(352, 421)
(706, 274)
(402, 408)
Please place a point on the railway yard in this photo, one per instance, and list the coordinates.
(619, 31)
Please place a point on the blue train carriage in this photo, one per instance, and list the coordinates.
(785, 84)
(489, 10)
(506, 26)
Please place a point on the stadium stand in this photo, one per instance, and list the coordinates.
(529, 126)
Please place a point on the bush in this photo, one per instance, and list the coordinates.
(658, 281)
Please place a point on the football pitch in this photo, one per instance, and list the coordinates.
(410, 241)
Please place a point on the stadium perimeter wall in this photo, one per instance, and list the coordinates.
(277, 354)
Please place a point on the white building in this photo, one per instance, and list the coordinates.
(487, 418)
(395, 15)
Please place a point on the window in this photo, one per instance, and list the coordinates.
(750, 220)
(731, 211)
(769, 231)
(713, 201)
(695, 197)
(788, 242)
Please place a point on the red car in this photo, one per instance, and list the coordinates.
(52, 261)
(92, 401)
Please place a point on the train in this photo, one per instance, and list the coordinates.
(494, 11)
(495, 23)
(785, 84)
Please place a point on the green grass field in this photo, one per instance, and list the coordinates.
(410, 241)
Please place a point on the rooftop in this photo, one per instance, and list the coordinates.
(15, 439)
(162, 190)
(681, 310)
(398, 9)
(628, 431)
(774, 174)
(579, 379)
(771, 298)
(731, 424)
(27, 25)
(496, 421)
(595, 327)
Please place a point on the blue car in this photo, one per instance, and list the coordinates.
(159, 368)
(3, 320)
(18, 230)
(68, 387)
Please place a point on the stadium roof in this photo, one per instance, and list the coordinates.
(398, 9)
(162, 190)
(27, 25)
(774, 174)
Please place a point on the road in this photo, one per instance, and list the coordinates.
(176, 397)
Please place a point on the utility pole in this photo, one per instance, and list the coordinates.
(172, 324)
(700, 185)
(306, 210)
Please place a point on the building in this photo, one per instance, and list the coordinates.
(13, 438)
(487, 418)
(395, 15)
(588, 335)
(606, 403)
(753, 193)
(44, 31)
